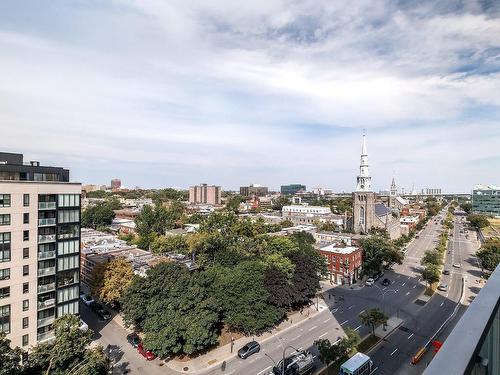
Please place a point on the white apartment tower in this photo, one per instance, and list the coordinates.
(39, 249)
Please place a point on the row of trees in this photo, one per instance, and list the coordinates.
(68, 353)
(101, 214)
(433, 259)
(489, 254)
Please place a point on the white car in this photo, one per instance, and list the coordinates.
(457, 265)
(369, 282)
(86, 299)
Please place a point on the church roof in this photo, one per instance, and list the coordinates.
(381, 210)
(402, 201)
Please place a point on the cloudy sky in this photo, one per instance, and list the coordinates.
(173, 93)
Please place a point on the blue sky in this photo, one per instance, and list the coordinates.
(174, 93)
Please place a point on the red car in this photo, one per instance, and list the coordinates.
(145, 353)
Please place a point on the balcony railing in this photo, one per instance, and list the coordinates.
(46, 321)
(47, 303)
(46, 205)
(41, 337)
(63, 236)
(46, 271)
(46, 287)
(46, 254)
(47, 222)
(46, 238)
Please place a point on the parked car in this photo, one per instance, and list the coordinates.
(251, 348)
(369, 282)
(94, 306)
(446, 272)
(83, 326)
(148, 354)
(134, 339)
(103, 314)
(86, 299)
(457, 265)
(443, 287)
(386, 282)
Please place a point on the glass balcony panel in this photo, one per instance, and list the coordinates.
(46, 255)
(46, 205)
(46, 222)
(46, 271)
(46, 238)
(46, 287)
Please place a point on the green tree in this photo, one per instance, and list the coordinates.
(287, 223)
(478, 221)
(69, 349)
(243, 297)
(376, 251)
(111, 279)
(281, 201)
(431, 257)
(279, 287)
(157, 219)
(233, 203)
(173, 243)
(489, 254)
(97, 216)
(372, 318)
(174, 308)
(431, 274)
(9, 358)
(337, 352)
(466, 207)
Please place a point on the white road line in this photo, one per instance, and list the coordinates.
(263, 371)
(323, 335)
(335, 310)
(313, 327)
(409, 277)
(358, 327)
(403, 284)
(253, 360)
(362, 311)
(350, 307)
(384, 288)
(376, 368)
(414, 286)
(409, 337)
(395, 350)
(324, 321)
(407, 293)
(442, 303)
(344, 322)
(295, 338)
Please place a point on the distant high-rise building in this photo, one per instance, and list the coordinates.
(254, 189)
(209, 194)
(39, 249)
(486, 200)
(116, 184)
(431, 191)
(292, 189)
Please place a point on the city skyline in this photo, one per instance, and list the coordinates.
(174, 94)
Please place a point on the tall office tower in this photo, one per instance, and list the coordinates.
(208, 194)
(39, 248)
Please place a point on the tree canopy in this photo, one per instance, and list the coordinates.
(376, 251)
(111, 279)
(489, 254)
(478, 221)
(372, 318)
(337, 352)
(101, 214)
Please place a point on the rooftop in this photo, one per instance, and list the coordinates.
(336, 248)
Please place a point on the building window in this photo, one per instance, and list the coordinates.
(26, 270)
(26, 253)
(69, 308)
(5, 274)
(68, 200)
(26, 235)
(26, 200)
(26, 288)
(25, 340)
(4, 200)
(67, 294)
(26, 322)
(5, 245)
(5, 219)
(5, 292)
(68, 216)
(69, 262)
(4, 254)
(5, 319)
(68, 247)
(26, 218)
(26, 305)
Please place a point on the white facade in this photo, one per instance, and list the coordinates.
(364, 181)
(304, 210)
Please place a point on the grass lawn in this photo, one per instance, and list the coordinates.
(368, 343)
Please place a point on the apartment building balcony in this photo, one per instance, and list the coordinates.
(47, 303)
(46, 238)
(46, 336)
(46, 271)
(47, 222)
(46, 255)
(46, 321)
(46, 287)
(46, 205)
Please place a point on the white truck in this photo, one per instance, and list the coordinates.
(299, 363)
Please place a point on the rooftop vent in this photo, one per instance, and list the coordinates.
(35, 163)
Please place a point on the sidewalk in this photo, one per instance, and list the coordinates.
(223, 353)
(392, 324)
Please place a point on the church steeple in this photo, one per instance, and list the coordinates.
(394, 189)
(364, 181)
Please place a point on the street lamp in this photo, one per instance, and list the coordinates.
(383, 292)
(283, 360)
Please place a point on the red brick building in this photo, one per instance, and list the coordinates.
(343, 262)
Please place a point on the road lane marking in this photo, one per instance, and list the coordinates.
(313, 327)
(324, 321)
(414, 286)
(409, 277)
(409, 337)
(263, 371)
(336, 341)
(335, 310)
(295, 338)
(344, 322)
(395, 350)
(350, 307)
(324, 334)
(442, 303)
(358, 327)
(376, 368)
(362, 311)
(384, 288)
(407, 293)
(403, 284)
